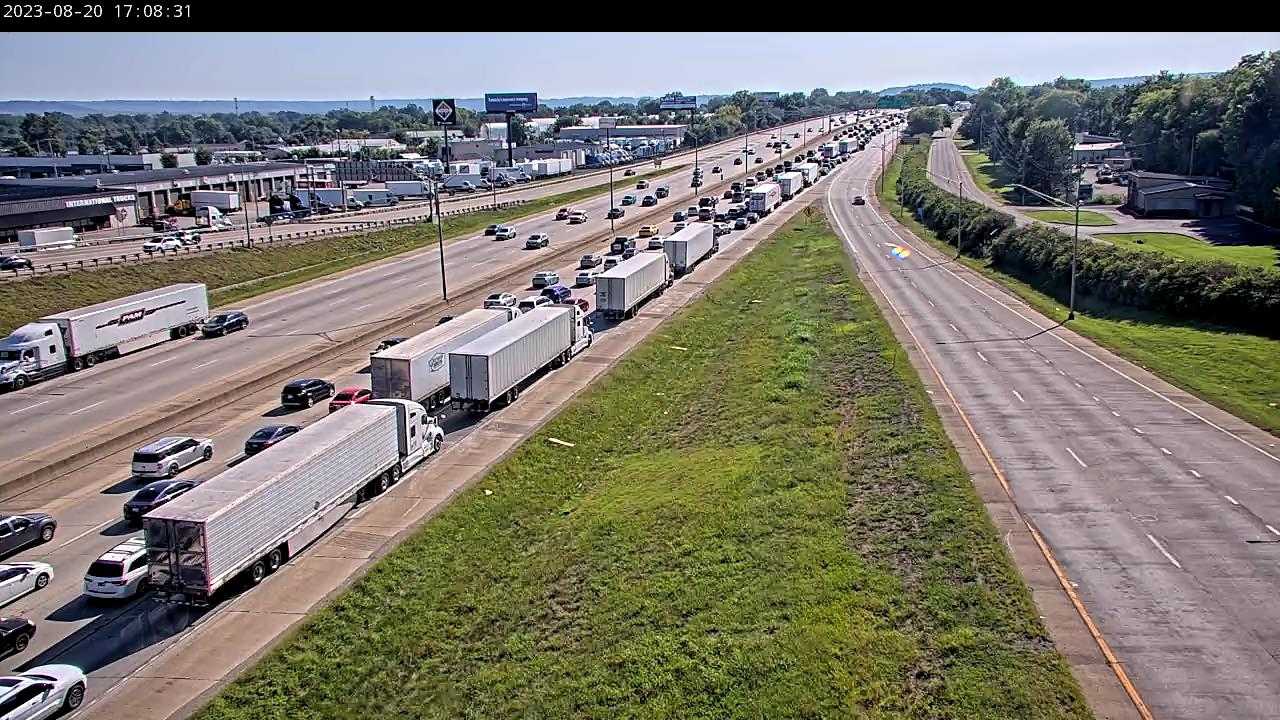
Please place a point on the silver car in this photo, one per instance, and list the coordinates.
(545, 278)
(168, 456)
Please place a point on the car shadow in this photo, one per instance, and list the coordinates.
(115, 632)
(237, 460)
(120, 527)
(280, 411)
(130, 484)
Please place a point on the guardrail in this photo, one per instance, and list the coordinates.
(274, 240)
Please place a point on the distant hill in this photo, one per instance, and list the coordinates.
(928, 86)
(1136, 79)
(198, 107)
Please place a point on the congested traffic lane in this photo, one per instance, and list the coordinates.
(50, 419)
(112, 641)
(354, 221)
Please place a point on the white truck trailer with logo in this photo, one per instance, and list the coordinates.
(418, 368)
(227, 201)
(249, 519)
(764, 198)
(76, 339)
(791, 183)
(622, 288)
(46, 239)
(689, 246)
(494, 367)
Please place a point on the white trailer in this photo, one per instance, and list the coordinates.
(252, 517)
(495, 367)
(848, 146)
(689, 246)
(418, 368)
(46, 238)
(790, 183)
(77, 339)
(226, 201)
(764, 198)
(621, 289)
(830, 150)
(809, 171)
(375, 196)
(408, 188)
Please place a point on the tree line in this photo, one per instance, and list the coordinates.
(1227, 126)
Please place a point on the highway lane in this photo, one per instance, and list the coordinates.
(310, 318)
(711, 154)
(113, 640)
(1161, 509)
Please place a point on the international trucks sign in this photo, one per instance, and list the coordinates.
(679, 102)
(444, 111)
(510, 102)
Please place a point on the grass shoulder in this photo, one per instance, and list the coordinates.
(1068, 217)
(1236, 371)
(761, 516)
(989, 176)
(1186, 247)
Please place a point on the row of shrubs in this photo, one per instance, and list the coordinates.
(1217, 292)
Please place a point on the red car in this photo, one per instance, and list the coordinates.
(349, 396)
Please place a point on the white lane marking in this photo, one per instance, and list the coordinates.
(1164, 552)
(1165, 451)
(161, 362)
(1077, 458)
(1079, 385)
(1113, 412)
(953, 327)
(1019, 396)
(1196, 474)
(930, 303)
(363, 306)
(204, 364)
(1095, 398)
(24, 409)
(984, 358)
(1231, 500)
(93, 529)
(86, 407)
(335, 291)
(1273, 530)
(1062, 373)
(1139, 431)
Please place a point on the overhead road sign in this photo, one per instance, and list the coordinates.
(510, 102)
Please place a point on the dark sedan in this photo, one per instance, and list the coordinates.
(224, 323)
(15, 635)
(153, 496)
(19, 531)
(268, 436)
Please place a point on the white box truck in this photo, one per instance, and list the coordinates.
(764, 198)
(830, 150)
(790, 183)
(226, 201)
(335, 198)
(809, 171)
(621, 289)
(374, 197)
(848, 146)
(46, 238)
(77, 339)
(252, 517)
(689, 246)
(408, 188)
(494, 367)
(418, 368)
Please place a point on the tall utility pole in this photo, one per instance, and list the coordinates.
(608, 149)
(1075, 240)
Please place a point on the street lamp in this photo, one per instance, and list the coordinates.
(1075, 240)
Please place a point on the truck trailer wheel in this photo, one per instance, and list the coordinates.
(257, 572)
(19, 382)
(275, 559)
(90, 360)
(77, 364)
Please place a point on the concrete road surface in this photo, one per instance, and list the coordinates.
(1163, 511)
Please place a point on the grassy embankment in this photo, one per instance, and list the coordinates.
(1235, 370)
(1068, 217)
(761, 517)
(1190, 248)
(237, 275)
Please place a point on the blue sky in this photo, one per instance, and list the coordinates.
(321, 66)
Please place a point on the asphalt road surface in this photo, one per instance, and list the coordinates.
(113, 641)
(1163, 511)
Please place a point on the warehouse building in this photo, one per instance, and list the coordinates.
(55, 167)
(596, 134)
(1181, 195)
(24, 207)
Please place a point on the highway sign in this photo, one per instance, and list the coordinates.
(679, 102)
(445, 111)
(510, 102)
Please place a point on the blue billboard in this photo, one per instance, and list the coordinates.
(510, 102)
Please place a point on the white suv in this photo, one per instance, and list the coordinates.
(168, 456)
(504, 232)
(120, 572)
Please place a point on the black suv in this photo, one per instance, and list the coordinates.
(305, 393)
(268, 436)
(10, 262)
(19, 531)
(223, 323)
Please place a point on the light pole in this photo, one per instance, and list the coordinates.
(959, 192)
(609, 150)
(1075, 240)
(436, 186)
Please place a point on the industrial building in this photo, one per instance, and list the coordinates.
(28, 206)
(1153, 193)
(596, 134)
(55, 167)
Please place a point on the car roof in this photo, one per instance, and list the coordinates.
(163, 443)
(126, 550)
(273, 428)
(302, 381)
(353, 389)
(161, 484)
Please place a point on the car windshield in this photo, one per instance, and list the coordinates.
(217, 319)
(106, 569)
(342, 396)
(147, 494)
(263, 434)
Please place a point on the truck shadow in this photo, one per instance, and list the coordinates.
(120, 527)
(115, 633)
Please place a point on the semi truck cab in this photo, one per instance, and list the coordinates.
(33, 352)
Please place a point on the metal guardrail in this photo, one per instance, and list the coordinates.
(277, 240)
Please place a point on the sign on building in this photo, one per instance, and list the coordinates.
(608, 122)
(445, 111)
(510, 102)
(679, 102)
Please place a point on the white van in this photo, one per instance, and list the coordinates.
(120, 573)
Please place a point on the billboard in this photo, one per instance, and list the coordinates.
(445, 111)
(510, 102)
(608, 122)
(767, 96)
(679, 102)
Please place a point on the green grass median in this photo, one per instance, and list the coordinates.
(1237, 371)
(236, 275)
(1068, 217)
(760, 517)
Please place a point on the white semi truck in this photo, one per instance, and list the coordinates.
(77, 339)
(227, 201)
(375, 196)
(764, 198)
(418, 368)
(791, 183)
(495, 366)
(408, 188)
(46, 239)
(249, 519)
(689, 246)
(622, 288)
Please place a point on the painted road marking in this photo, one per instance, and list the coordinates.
(1165, 451)
(930, 303)
(93, 529)
(1077, 458)
(87, 407)
(1231, 500)
(1196, 474)
(363, 306)
(161, 362)
(1273, 530)
(1139, 431)
(1113, 412)
(1019, 396)
(24, 409)
(984, 358)
(1164, 552)
(204, 364)
(953, 327)
(1095, 398)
